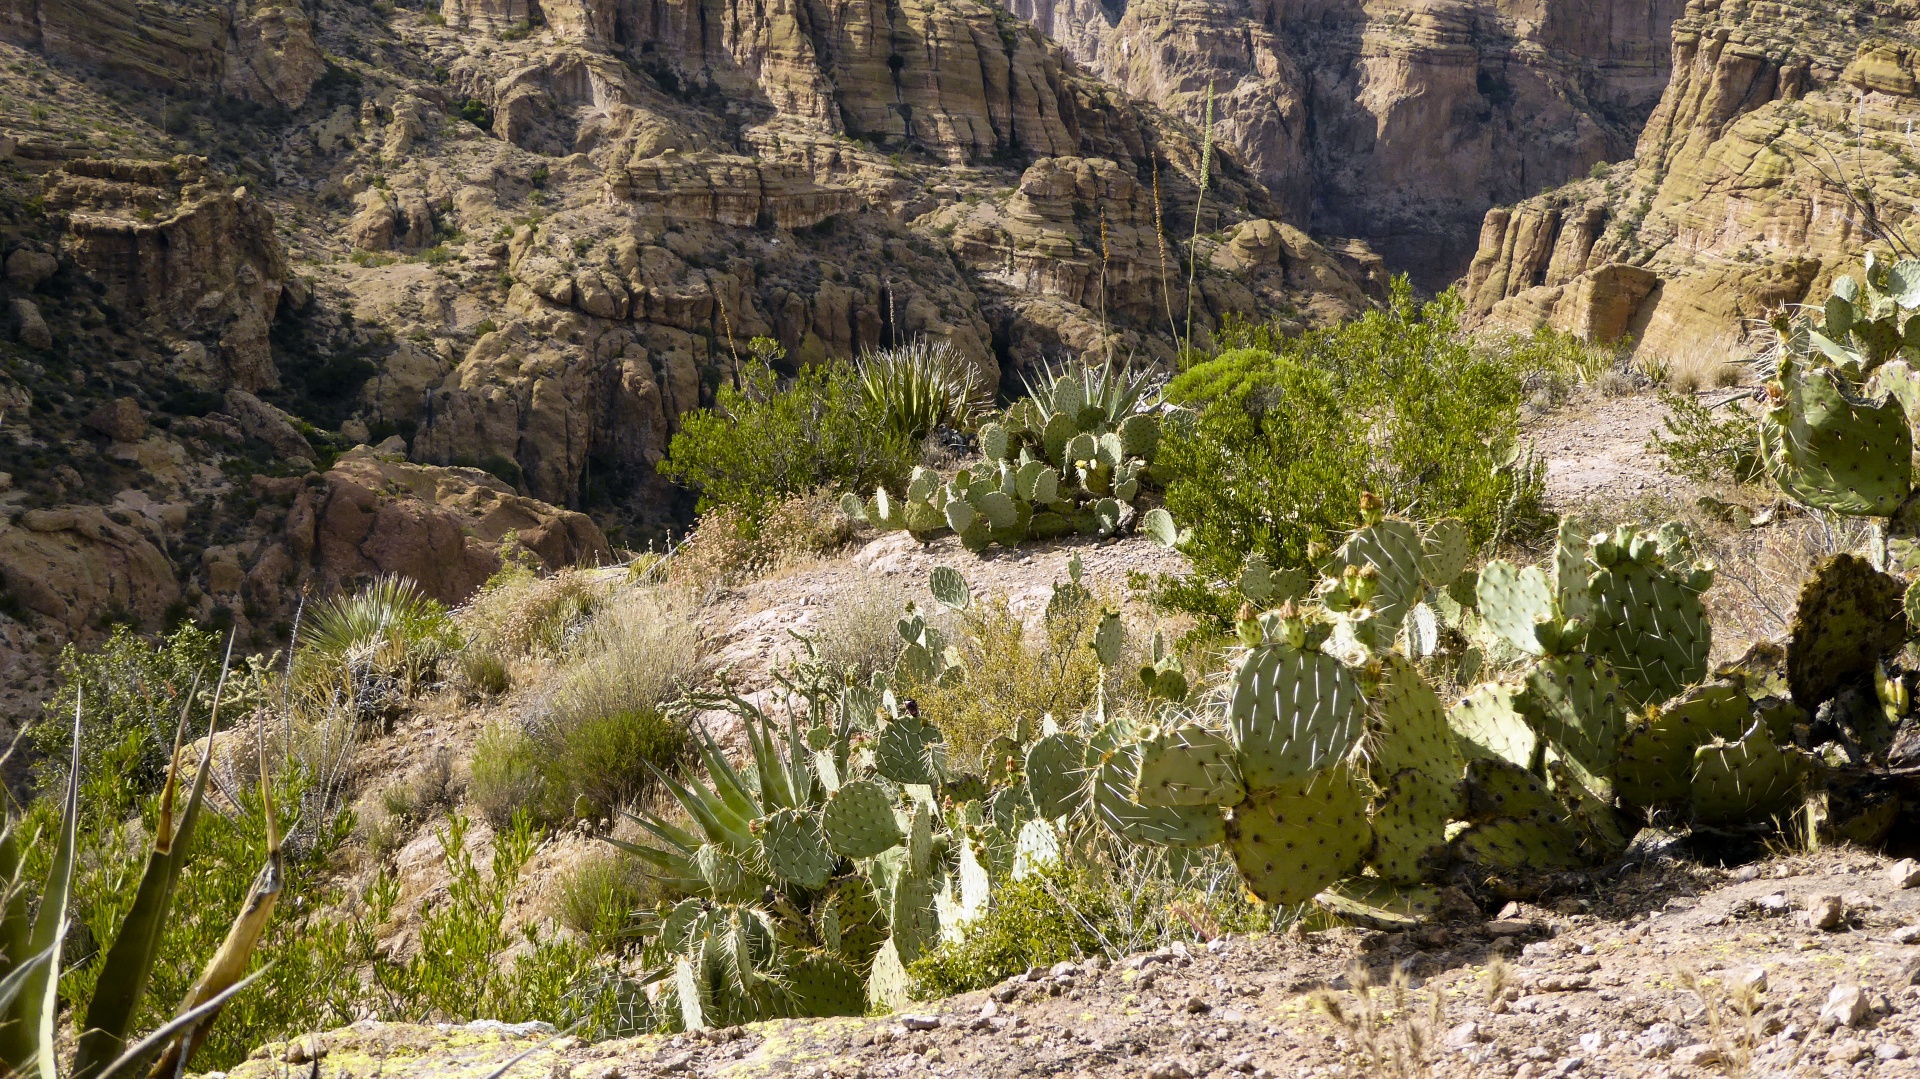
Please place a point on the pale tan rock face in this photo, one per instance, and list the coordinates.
(1736, 201)
(168, 241)
(1400, 121)
(74, 564)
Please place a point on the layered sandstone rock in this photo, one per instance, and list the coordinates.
(1400, 121)
(172, 243)
(1746, 192)
(256, 49)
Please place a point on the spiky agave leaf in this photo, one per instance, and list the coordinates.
(921, 385)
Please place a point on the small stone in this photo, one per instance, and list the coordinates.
(1216, 945)
(1095, 964)
(1904, 873)
(1195, 1006)
(1889, 1051)
(989, 1009)
(1169, 1069)
(1746, 873)
(1241, 1063)
(1776, 903)
(1907, 934)
(933, 1055)
(1846, 1051)
(1063, 970)
(1509, 927)
(1846, 1006)
(1463, 1036)
(1005, 991)
(677, 1062)
(119, 419)
(920, 1022)
(29, 328)
(1509, 912)
(1753, 979)
(1593, 1041)
(1697, 1055)
(1826, 912)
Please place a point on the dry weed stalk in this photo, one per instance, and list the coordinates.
(1394, 1041)
(1495, 978)
(1735, 1027)
(1764, 568)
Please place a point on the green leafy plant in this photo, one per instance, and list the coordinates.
(133, 688)
(378, 647)
(1708, 444)
(1398, 402)
(770, 439)
(920, 386)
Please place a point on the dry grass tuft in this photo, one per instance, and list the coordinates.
(725, 549)
(520, 613)
(1392, 1033)
(858, 632)
(1712, 365)
(1761, 571)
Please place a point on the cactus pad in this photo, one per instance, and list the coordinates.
(1294, 839)
(1410, 826)
(1057, 774)
(1494, 789)
(888, 987)
(1408, 728)
(1394, 549)
(1575, 702)
(1292, 713)
(1747, 780)
(1445, 551)
(1158, 527)
(1488, 723)
(858, 820)
(796, 848)
(1140, 436)
(1513, 600)
(821, 984)
(1648, 621)
(1112, 787)
(1830, 449)
(1849, 616)
(993, 441)
(909, 751)
(1373, 903)
(1109, 637)
(1187, 766)
(1521, 846)
(949, 587)
(1038, 845)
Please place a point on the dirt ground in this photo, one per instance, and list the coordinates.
(1795, 965)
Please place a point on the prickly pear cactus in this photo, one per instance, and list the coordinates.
(1292, 713)
(1850, 615)
(1743, 780)
(1188, 765)
(1828, 447)
(1377, 904)
(1297, 836)
(1647, 617)
(1488, 723)
(1575, 703)
(858, 820)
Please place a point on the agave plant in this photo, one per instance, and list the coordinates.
(1101, 396)
(816, 875)
(920, 386)
(30, 966)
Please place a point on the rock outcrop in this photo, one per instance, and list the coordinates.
(79, 565)
(442, 527)
(1400, 121)
(1781, 141)
(170, 241)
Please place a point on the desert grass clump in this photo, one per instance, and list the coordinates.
(728, 548)
(858, 634)
(385, 815)
(1012, 673)
(600, 896)
(1391, 1033)
(521, 613)
(1700, 367)
(505, 774)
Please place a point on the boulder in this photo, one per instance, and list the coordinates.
(441, 526)
(261, 420)
(28, 327)
(26, 268)
(119, 419)
(75, 564)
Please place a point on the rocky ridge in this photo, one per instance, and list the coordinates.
(1780, 146)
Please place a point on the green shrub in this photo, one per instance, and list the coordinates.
(1121, 899)
(1398, 402)
(600, 897)
(769, 439)
(1708, 447)
(132, 687)
(505, 774)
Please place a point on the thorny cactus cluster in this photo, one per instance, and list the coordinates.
(1073, 457)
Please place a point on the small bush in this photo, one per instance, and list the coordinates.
(728, 547)
(521, 613)
(1397, 402)
(1007, 677)
(484, 673)
(769, 440)
(384, 643)
(599, 897)
(505, 774)
(1708, 446)
(131, 688)
(858, 633)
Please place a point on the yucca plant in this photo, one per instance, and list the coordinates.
(1113, 393)
(385, 641)
(29, 988)
(920, 386)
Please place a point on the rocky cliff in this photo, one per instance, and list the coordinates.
(1781, 146)
(298, 293)
(1400, 121)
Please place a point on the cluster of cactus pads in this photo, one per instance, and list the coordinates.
(1073, 457)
